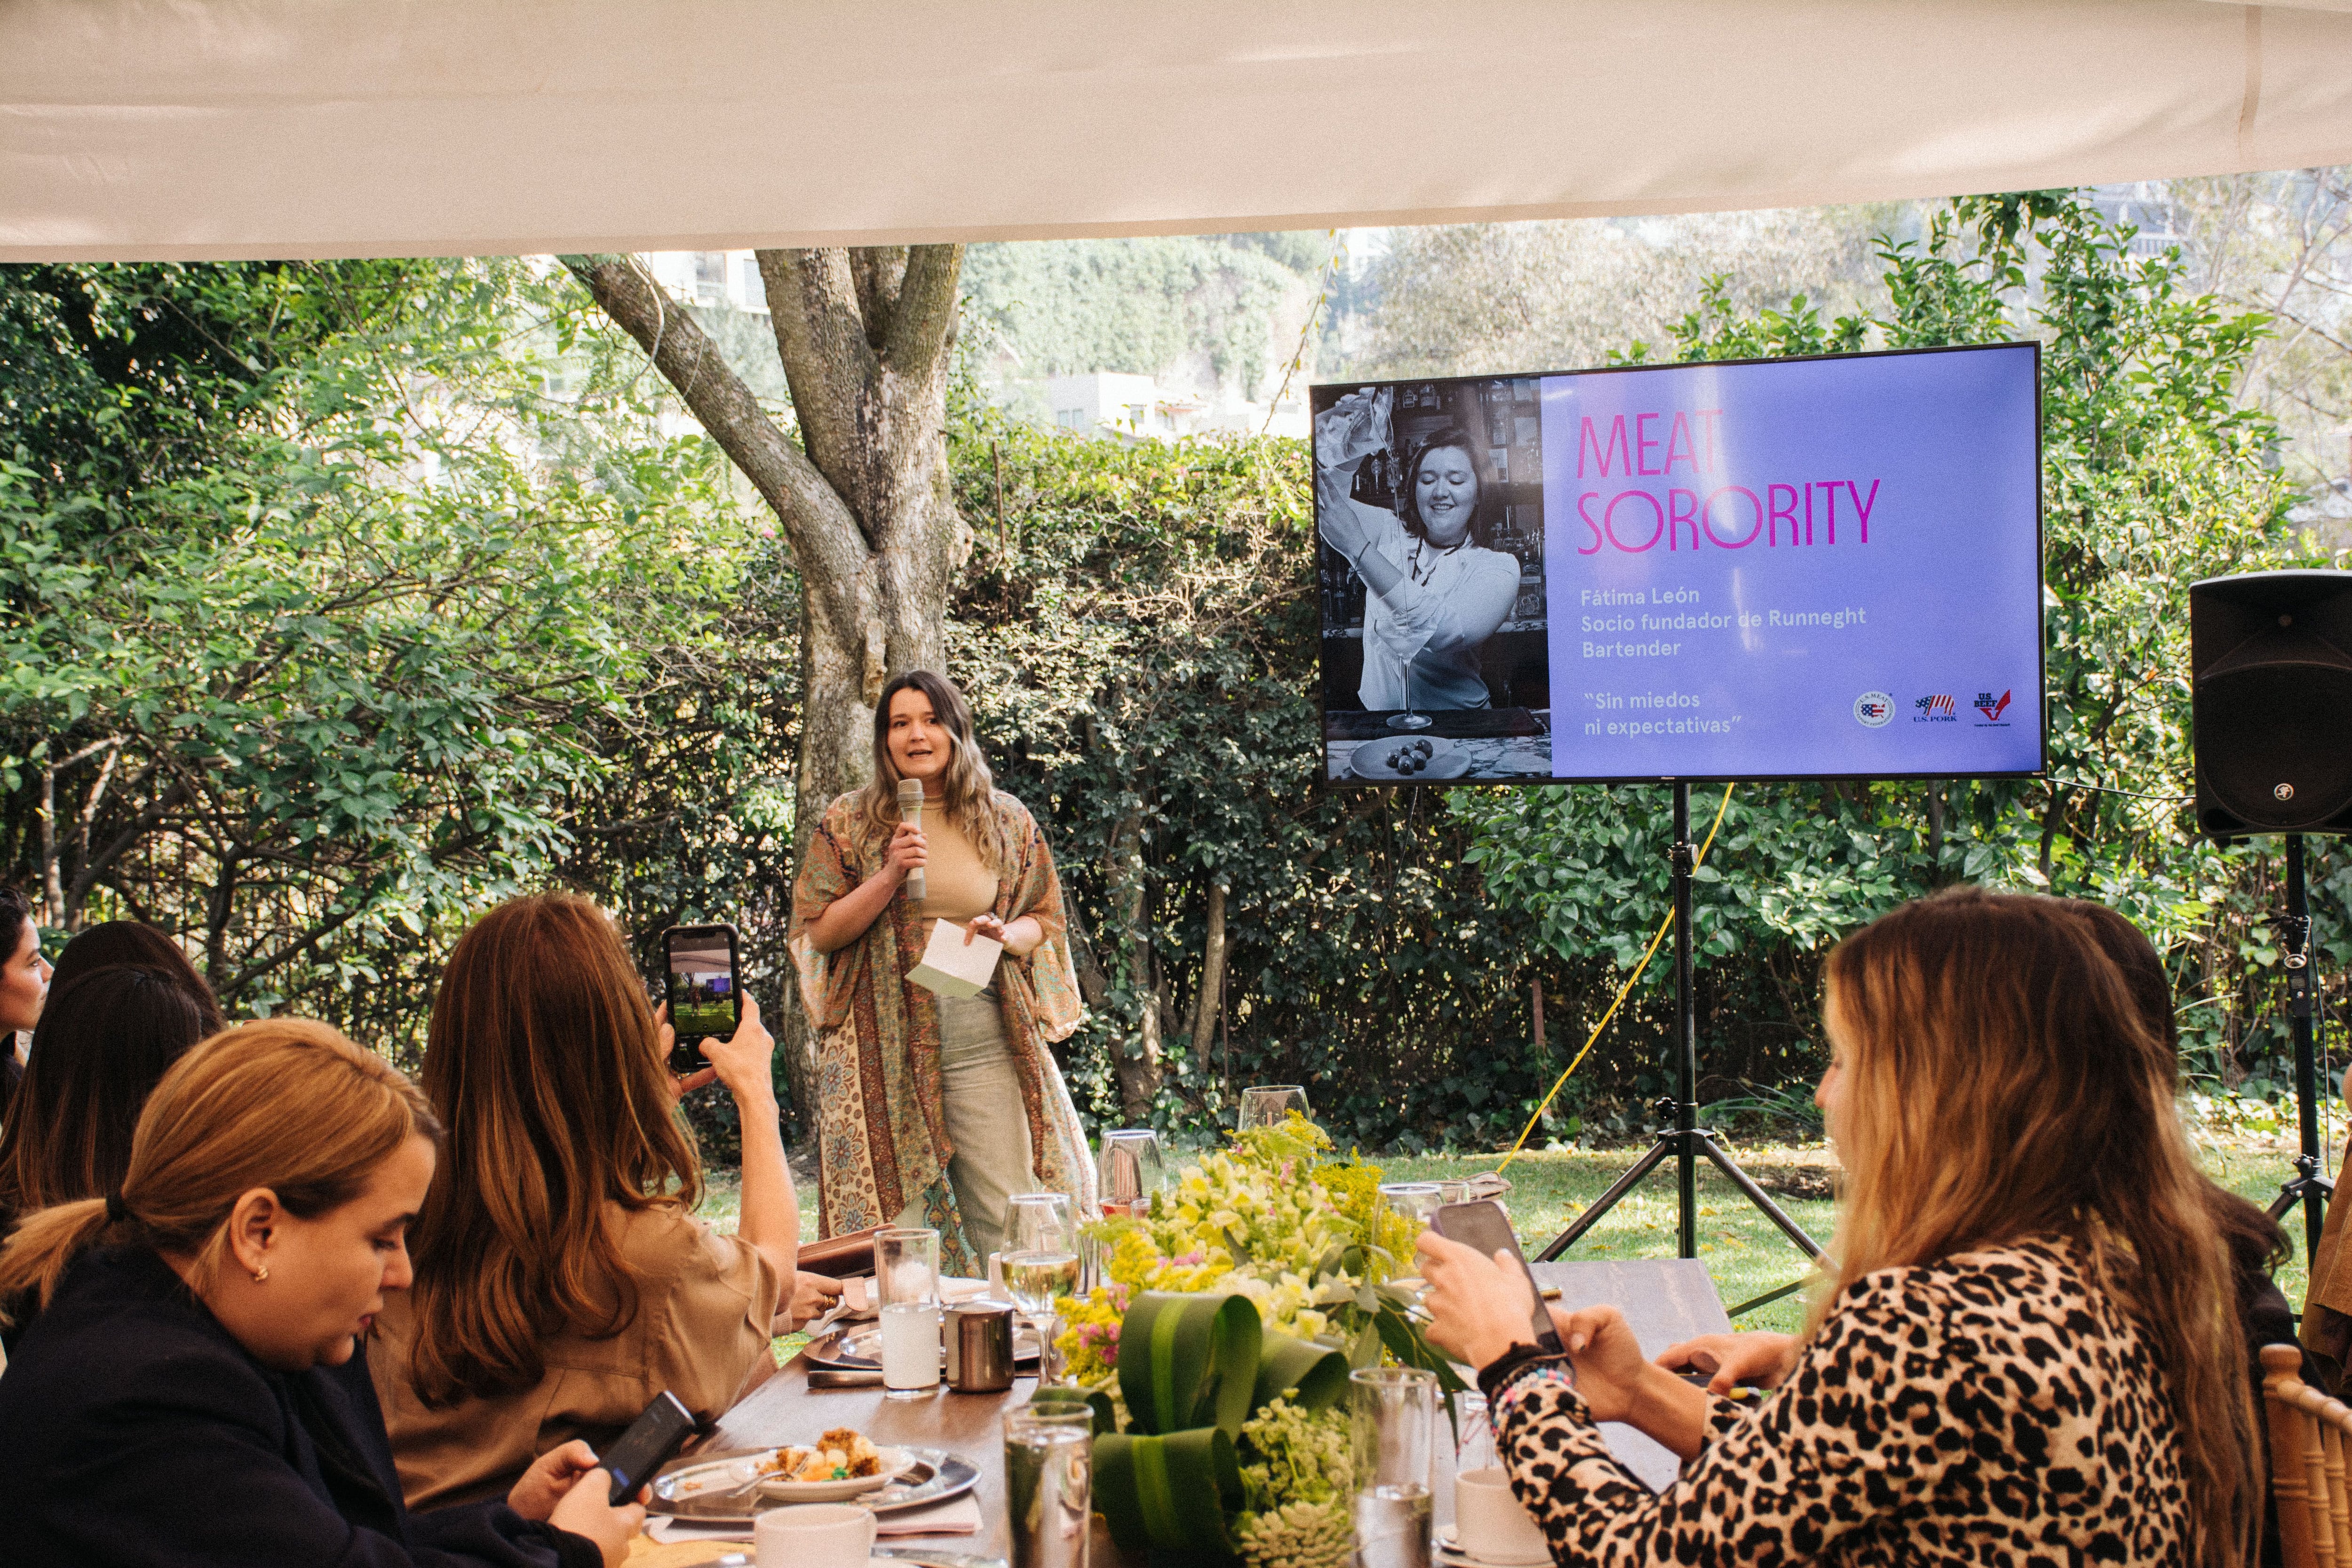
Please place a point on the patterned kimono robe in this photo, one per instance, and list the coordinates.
(881, 1138)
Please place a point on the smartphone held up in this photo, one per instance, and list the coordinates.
(1481, 1224)
(702, 982)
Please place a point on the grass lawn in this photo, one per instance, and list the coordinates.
(1743, 1250)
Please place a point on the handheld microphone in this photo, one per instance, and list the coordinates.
(910, 811)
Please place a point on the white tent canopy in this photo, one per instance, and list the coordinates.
(215, 128)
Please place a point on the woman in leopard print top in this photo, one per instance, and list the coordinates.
(2029, 1353)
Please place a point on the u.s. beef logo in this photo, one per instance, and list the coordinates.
(1990, 707)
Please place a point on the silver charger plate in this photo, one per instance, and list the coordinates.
(858, 1348)
(935, 1476)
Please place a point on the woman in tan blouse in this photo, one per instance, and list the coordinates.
(561, 1280)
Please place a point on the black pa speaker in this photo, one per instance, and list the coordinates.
(2270, 655)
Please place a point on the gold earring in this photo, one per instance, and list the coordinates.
(261, 1274)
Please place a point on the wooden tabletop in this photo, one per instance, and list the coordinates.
(785, 1409)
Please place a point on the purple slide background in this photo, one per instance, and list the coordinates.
(1947, 588)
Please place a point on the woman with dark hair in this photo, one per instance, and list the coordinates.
(2028, 1351)
(561, 1278)
(195, 1391)
(934, 1110)
(105, 1037)
(1434, 593)
(130, 941)
(23, 985)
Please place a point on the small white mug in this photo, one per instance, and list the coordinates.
(813, 1535)
(1488, 1523)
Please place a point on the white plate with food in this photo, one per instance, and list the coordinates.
(840, 1464)
(726, 1488)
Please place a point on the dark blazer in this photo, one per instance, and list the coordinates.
(139, 1433)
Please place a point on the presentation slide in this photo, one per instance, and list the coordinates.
(1776, 569)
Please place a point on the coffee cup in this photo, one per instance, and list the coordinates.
(1488, 1523)
(813, 1535)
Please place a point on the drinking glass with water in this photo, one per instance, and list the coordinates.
(1049, 1482)
(1392, 1410)
(906, 1282)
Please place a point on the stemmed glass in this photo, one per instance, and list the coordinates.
(1409, 719)
(1267, 1104)
(1041, 1265)
(1416, 1201)
(1132, 1169)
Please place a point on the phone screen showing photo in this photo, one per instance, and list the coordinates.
(703, 998)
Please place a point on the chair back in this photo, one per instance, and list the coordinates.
(2309, 1433)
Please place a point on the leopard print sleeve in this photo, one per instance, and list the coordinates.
(1978, 1410)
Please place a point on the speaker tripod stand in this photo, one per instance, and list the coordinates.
(1685, 1142)
(2309, 1185)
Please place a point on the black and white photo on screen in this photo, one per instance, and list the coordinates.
(1429, 514)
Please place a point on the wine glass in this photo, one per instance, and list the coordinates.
(1132, 1169)
(1409, 719)
(1267, 1104)
(1041, 1265)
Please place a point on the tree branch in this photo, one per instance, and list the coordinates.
(821, 528)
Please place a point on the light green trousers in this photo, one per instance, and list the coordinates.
(987, 1125)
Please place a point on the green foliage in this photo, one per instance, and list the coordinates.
(321, 642)
(1141, 305)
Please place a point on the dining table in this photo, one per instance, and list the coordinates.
(785, 1409)
(1665, 1301)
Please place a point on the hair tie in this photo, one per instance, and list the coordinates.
(116, 1210)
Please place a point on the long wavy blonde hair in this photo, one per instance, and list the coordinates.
(967, 785)
(2000, 1083)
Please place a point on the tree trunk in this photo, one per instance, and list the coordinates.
(1138, 1063)
(865, 338)
(1212, 978)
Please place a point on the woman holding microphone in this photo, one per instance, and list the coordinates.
(935, 1110)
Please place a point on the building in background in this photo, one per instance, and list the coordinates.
(1136, 407)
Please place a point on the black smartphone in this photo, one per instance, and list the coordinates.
(646, 1445)
(1481, 1224)
(702, 980)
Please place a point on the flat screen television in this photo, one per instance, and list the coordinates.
(1826, 567)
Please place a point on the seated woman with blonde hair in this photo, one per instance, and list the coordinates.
(194, 1390)
(562, 1281)
(2030, 1349)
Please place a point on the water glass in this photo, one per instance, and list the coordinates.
(1416, 1201)
(1269, 1104)
(1133, 1169)
(1452, 1192)
(1391, 1413)
(1049, 1475)
(1041, 1264)
(907, 1283)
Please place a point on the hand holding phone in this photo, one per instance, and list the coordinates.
(702, 982)
(648, 1444)
(1482, 1227)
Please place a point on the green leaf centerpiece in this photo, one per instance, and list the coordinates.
(1215, 1352)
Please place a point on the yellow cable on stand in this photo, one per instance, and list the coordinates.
(1622, 991)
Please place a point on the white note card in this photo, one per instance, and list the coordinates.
(953, 967)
